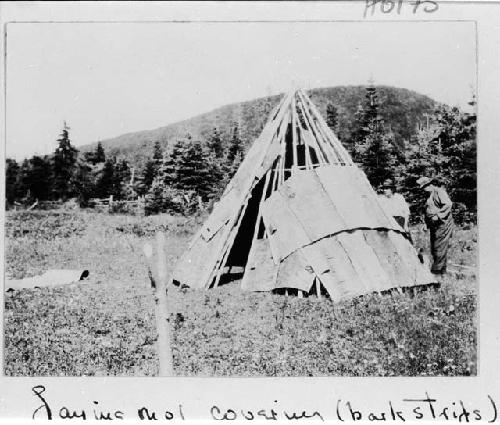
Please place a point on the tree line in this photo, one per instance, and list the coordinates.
(193, 173)
(182, 181)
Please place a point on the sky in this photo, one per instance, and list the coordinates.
(108, 79)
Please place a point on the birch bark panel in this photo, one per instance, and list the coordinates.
(347, 282)
(349, 198)
(388, 256)
(196, 264)
(285, 231)
(367, 261)
(260, 269)
(221, 214)
(294, 273)
(421, 275)
(311, 205)
(407, 272)
(322, 269)
(349, 244)
(347, 201)
(371, 201)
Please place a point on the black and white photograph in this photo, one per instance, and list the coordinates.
(241, 199)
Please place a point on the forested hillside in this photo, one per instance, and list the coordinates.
(401, 108)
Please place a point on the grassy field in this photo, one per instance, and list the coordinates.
(106, 325)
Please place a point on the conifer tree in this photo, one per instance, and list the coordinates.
(455, 143)
(374, 149)
(122, 179)
(183, 175)
(84, 183)
(96, 157)
(157, 154)
(39, 181)
(23, 180)
(64, 165)
(235, 145)
(419, 162)
(234, 167)
(164, 194)
(377, 158)
(106, 182)
(151, 169)
(192, 167)
(358, 134)
(12, 186)
(171, 162)
(154, 203)
(100, 155)
(372, 117)
(122, 171)
(148, 175)
(215, 144)
(332, 117)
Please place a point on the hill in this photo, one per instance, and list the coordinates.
(400, 108)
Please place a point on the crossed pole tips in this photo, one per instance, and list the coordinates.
(160, 289)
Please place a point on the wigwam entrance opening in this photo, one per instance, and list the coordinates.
(238, 255)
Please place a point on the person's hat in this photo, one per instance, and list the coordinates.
(423, 182)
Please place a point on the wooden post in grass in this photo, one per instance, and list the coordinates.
(318, 287)
(161, 308)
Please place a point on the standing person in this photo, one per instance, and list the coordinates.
(439, 221)
(394, 204)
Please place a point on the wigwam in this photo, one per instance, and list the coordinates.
(299, 215)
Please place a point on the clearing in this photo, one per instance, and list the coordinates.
(105, 326)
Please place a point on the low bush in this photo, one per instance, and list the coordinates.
(43, 224)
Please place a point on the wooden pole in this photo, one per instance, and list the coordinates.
(307, 153)
(162, 314)
(259, 214)
(333, 139)
(321, 155)
(132, 176)
(304, 141)
(33, 206)
(274, 183)
(318, 287)
(294, 135)
(330, 153)
(160, 289)
(281, 164)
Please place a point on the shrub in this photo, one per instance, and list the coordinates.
(122, 207)
(172, 201)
